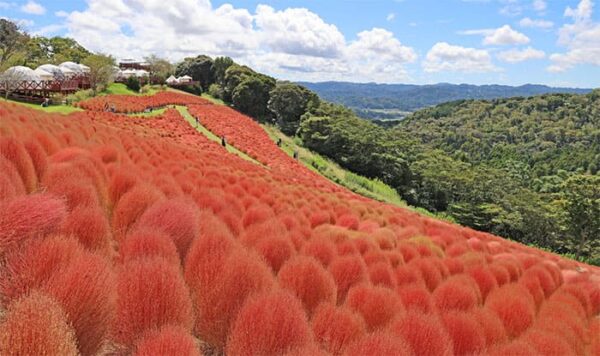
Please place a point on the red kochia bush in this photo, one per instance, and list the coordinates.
(377, 305)
(14, 184)
(424, 333)
(309, 281)
(380, 273)
(456, 293)
(416, 297)
(38, 158)
(85, 289)
(514, 306)
(151, 294)
(145, 243)
(276, 250)
(465, 332)
(347, 271)
(29, 216)
(168, 340)
(269, 324)
(176, 218)
(14, 151)
(243, 274)
(90, 226)
(36, 325)
(120, 183)
(323, 249)
(381, 343)
(491, 325)
(130, 208)
(335, 327)
(430, 273)
(547, 343)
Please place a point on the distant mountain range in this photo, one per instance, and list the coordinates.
(393, 101)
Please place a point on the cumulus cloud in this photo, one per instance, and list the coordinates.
(293, 43)
(539, 23)
(501, 36)
(540, 5)
(391, 16)
(516, 55)
(33, 8)
(445, 57)
(581, 38)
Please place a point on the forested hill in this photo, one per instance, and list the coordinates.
(541, 135)
(406, 97)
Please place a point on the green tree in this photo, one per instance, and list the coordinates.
(200, 68)
(133, 83)
(55, 50)
(219, 67)
(234, 75)
(160, 68)
(252, 95)
(582, 207)
(289, 101)
(101, 70)
(12, 41)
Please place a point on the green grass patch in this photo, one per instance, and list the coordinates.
(152, 113)
(121, 89)
(213, 99)
(371, 188)
(203, 130)
(58, 109)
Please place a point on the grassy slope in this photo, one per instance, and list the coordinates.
(60, 109)
(203, 130)
(121, 89)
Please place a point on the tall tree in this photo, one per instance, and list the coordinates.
(200, 68)
(252, 95)
(12, 41)
(101, 70)
(220, 66)
(289, 101)
(160, 68)
(582, 206)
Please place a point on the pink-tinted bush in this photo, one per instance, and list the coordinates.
(147, 243)
(90, 226)
(514, 306)
(269, 324)
(306, 278)
(416, 297)
(380, 343)
(465, 332)
(377, 305)
(130, 208)
(15, 152)
(456, 293)
(36, 325)
(347, 271)
(168, 340)
(322, 249)
(424, 333)
(336, 327)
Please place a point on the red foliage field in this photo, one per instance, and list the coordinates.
(129, 235)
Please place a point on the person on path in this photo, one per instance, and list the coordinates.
(223, 142)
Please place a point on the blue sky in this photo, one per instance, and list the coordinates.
(554, 42)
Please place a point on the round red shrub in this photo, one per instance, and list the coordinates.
(12, 177)
(424, 333)
(377, 305)
(515, 348)
(269, 324)
(547, 343)
(120, 183)
(347, 271)
(257, 215)
(38, 158)
(85, 290)
(491, 325)
(29, 216)
(276, 250)
(336, 327)
(466, 334)
(14, 151)
(168, 340)
(416, 297)
(514, 306)
(147, 243)
(380, 273)
(151, 294)
(130, 208)
(406, 275)
(348, 221)
(90, 226)
(484, 279)
(456, 293)
(430, 273)
(243, 274)
(380, 343)
(36, 325)
(322, 249)
(309, 281)
(176, 218)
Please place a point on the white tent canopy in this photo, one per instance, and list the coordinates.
(84, 68)
(141, 73)
(20, 73)
(72, 66)
(44, 75)
(172, 80)
(56, 71)
(185, 79)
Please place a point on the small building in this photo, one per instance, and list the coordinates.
(56, 71)
(186, 79)
(129, 63)
(172, 80)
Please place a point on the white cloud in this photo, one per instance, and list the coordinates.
(539, 23)
(61, 13)
(379, 44)
(516, 55)
(298, 31)
(540, 5)
(292, 43)
(581, 38)
(505, 35)
(391, 16)
(6, 5)
(445, 57)
(33, 8)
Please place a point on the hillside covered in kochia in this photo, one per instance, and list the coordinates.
(515, 167)
(139, 236)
